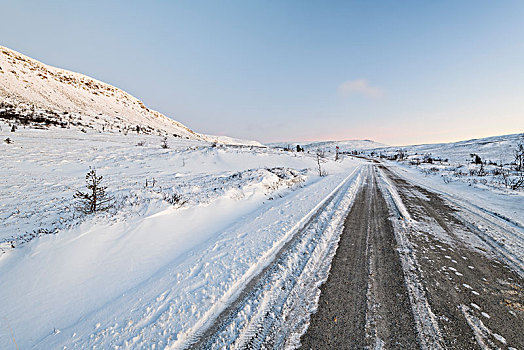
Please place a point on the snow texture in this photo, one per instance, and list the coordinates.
(149, 273)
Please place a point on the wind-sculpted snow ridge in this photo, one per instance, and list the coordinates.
(36, 94)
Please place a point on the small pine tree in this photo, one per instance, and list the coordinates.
(95, 199)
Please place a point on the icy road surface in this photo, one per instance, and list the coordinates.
(407, 268)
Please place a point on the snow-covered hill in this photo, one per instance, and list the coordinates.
(344, 146)
(485, 163)
(40, 95)
(497, 149)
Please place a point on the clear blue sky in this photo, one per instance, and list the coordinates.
(399, 72)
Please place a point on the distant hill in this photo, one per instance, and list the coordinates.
(344, 146)
(494, 148)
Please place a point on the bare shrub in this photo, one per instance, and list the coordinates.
(430, 171)
(476, 158)
(458, 173)
(401, 154)
(163, 143)
(174, 199)
(518, 154)
(320, 154)
(512, 182)
(427, 158)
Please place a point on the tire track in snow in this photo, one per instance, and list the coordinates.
(254, 316)
(453, 272)
(429, 334)
(365, 302)
(485, 224)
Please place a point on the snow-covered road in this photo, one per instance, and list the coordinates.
(414, 270)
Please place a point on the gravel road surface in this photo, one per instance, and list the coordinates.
(406, 249)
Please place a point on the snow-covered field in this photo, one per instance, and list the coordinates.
(148, 272)
(153, 272)
(495, 148)
(484, 163)
(329, 146)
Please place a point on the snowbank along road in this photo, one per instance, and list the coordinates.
(273, 310)
(412, 270)
(151, 273)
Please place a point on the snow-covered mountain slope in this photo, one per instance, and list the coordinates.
(344, 146)
(37, 94)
